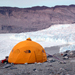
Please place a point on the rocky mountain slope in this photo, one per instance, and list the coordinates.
(15, 20)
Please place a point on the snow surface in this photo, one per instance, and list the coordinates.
(52, 36)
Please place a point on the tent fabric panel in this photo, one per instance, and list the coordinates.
(44, 55)
(38, 55)
(32, 58)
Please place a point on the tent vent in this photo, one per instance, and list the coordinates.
(28, 39)
(27, 51)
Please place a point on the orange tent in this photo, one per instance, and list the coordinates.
(27, 51)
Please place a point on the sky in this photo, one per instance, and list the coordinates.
(31, 3)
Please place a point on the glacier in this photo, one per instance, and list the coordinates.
(55, 35)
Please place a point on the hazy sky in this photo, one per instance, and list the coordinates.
(31, 3)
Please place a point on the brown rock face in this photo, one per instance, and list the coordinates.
(15, 20)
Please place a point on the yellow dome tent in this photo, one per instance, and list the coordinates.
(27, 51)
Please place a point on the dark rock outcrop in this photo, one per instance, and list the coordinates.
(15, 20)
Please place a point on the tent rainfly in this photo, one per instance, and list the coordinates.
(27, 51)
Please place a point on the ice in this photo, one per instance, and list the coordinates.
(57, 33)
(70, 47)
(52, 36)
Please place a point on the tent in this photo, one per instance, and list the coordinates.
(27, 51)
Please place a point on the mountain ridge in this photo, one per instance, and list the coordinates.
(17, 20)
